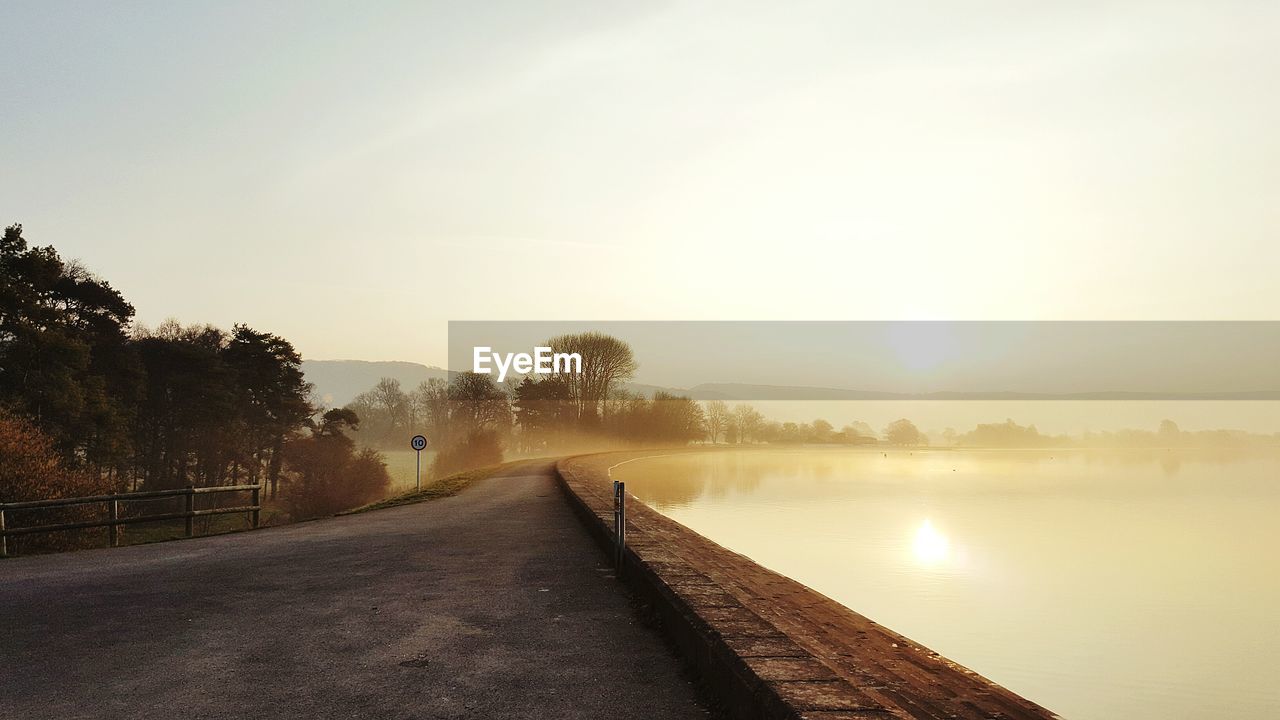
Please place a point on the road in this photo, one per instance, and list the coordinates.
(493, 603)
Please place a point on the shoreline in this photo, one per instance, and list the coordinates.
(772, 647)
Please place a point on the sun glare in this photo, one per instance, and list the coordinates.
(930, 547)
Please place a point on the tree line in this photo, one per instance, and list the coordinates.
(106, 405)
(472, 420)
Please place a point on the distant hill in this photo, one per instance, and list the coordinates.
(741, 391)
(337, 382)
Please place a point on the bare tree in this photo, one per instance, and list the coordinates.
(717, 419)
(476, 403)
(390, 399)
(429, 407)
(748, 421)
(606, 361)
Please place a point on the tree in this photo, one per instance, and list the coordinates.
(822, 431)
(330, 475)
(188, 430)
(543, 410)
(902, 432)
(477, 422)
(606, 361)
(271, 396)
(1006, 434)
(857, 434)
(676, 419)
(430, 405)
(64, 356)
(479, 448)
(385, 414)
(789, 433)
(335, 423)
(746, 422)
(717, 418)
(771, 431)
(215, 408)
(1170, 433)
(391, 400)
(476, 403)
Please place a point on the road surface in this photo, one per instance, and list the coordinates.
(493, 603)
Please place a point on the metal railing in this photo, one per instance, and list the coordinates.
(115, 520)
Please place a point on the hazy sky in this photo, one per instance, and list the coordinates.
(352, 176)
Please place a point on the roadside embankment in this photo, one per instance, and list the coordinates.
(767, 645)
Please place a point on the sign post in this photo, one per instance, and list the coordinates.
(418, 443)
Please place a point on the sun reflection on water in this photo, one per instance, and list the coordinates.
(931, 547)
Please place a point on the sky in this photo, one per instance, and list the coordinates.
(353, 177)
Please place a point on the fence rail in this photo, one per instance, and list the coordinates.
(115, 521)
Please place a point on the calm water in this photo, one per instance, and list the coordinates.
(1102, 584)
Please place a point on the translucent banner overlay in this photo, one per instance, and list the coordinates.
(924, 361)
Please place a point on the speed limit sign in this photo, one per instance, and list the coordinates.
(419, 444)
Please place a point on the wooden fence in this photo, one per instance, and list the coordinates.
(115, 519)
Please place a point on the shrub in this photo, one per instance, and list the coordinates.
(329, 476)
(478, 449)
(31, 469)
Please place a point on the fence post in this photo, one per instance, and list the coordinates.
(4, 537)
(191, 508)
(113, 528)
(257, 504)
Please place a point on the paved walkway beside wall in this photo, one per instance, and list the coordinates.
(494, 603)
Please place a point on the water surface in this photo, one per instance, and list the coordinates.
(1100, 583)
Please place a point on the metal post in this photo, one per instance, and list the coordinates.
(622, 521)
(114, 529)
(619, 522)
(191, 508)
(4, 538)
(257, 504)
(418, 443)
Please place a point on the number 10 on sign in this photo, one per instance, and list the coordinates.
(418, 443)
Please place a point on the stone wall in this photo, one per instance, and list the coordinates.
(768, 646)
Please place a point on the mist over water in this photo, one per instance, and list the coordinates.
(1053, 417)
(1101, 583)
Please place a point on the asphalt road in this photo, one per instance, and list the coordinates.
(490, 604)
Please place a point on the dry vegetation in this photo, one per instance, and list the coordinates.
(31, 469)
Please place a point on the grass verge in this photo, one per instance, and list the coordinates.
(444, 487)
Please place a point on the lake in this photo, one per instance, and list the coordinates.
(1099, 583)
